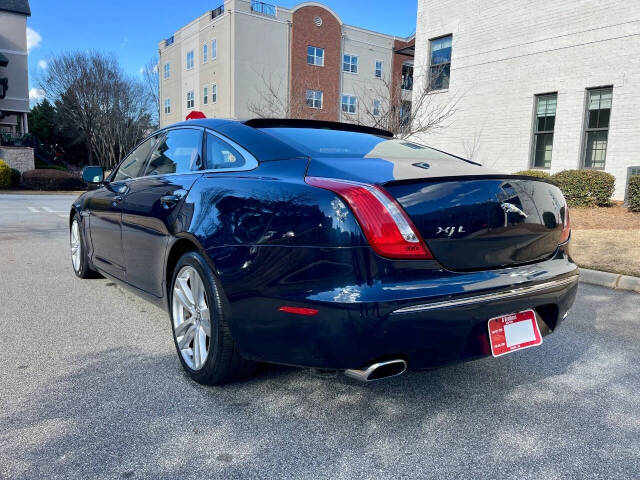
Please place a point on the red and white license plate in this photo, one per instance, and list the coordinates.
(512, 332)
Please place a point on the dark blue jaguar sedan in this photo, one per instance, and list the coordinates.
(326, 245)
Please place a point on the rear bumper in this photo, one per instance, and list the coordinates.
(423, 314)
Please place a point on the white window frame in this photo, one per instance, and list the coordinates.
(205, 53)
(205, 95)
(214, 49)
(167, 106)
(167, 70)
(214, 92)
(191, 98)
(315, 56)
(314, 98)
(190, 56)
(348, 104)
(350, 62)
(375, 68)
(377, 105)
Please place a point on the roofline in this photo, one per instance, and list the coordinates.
(319, 124)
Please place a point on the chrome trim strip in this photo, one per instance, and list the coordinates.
(514, 292)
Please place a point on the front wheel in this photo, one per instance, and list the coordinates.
(79, 259)
(200, 330)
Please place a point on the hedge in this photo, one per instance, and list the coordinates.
(585, 188)
(51, 179)
(534, 173)
(5, 175)
(16, 176)
(633, 193)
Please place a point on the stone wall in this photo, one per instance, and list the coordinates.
(20, 158)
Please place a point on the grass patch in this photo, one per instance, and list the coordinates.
(606, 239)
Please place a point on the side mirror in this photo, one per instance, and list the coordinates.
(93, 174)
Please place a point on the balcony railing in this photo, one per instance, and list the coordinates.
(217, 12)
(263, 8)
(169, 41)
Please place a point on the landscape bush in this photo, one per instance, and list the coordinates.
(585, 188)
(5, 175)
(633, 193)
(534, 173)
(51, 179)
(16, 176)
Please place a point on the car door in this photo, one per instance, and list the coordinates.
(105, 213)
(152, 202)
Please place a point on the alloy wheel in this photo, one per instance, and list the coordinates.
(76, 247)
(191, 317)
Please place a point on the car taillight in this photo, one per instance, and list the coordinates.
(566, 225)
(385, 225)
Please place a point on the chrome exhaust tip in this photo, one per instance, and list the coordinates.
(378, 371)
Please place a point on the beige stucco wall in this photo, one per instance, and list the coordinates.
(369, 47)
(13, 45)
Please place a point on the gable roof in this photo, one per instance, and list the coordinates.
(16, 6)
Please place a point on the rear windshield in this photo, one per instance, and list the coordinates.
(317, 143)
(327, 143)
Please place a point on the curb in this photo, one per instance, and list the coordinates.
(610, 280)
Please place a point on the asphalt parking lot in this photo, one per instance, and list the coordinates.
(91, 387)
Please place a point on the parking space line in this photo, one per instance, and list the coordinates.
(33, 210)
(47, 209)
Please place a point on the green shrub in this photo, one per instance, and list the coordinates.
(633, 193)
(534, 173)
(51, 179)
(5, 175)
(585, 188)
(16, 176)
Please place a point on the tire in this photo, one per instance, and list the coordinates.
(221, 362)
(80, 263)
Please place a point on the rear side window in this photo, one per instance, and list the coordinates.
(177, 152)
(221, 155)
(131, 166)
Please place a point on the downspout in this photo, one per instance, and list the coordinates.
(341, 76)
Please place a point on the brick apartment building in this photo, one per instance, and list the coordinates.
(552, 85)
(249, 58)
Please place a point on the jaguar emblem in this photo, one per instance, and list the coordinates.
(511, 208)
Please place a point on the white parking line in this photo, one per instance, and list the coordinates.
(47, 209)
(33, 210)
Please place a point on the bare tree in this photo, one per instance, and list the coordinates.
(471, 146)
(275, 98)
(93, 93)
(384, 106)
(151, 81)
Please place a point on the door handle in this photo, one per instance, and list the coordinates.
(169, 201)
(116, 200)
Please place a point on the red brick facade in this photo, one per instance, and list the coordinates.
(396, 72)
(304, 33)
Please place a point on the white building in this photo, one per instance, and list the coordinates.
(552, 84)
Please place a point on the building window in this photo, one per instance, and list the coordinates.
(378, 69)
(205, 95)
(440, 62)
(214, 49)
(315, 56)
(205, 53)
(350, 63)
(314, 99)
(167, 70)
(167, 105)
(596, 131)
(189, 59)
(407, 76)
(190, 99)
(377, 105)
(544, 124)
(349, 104)
(214, 93)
